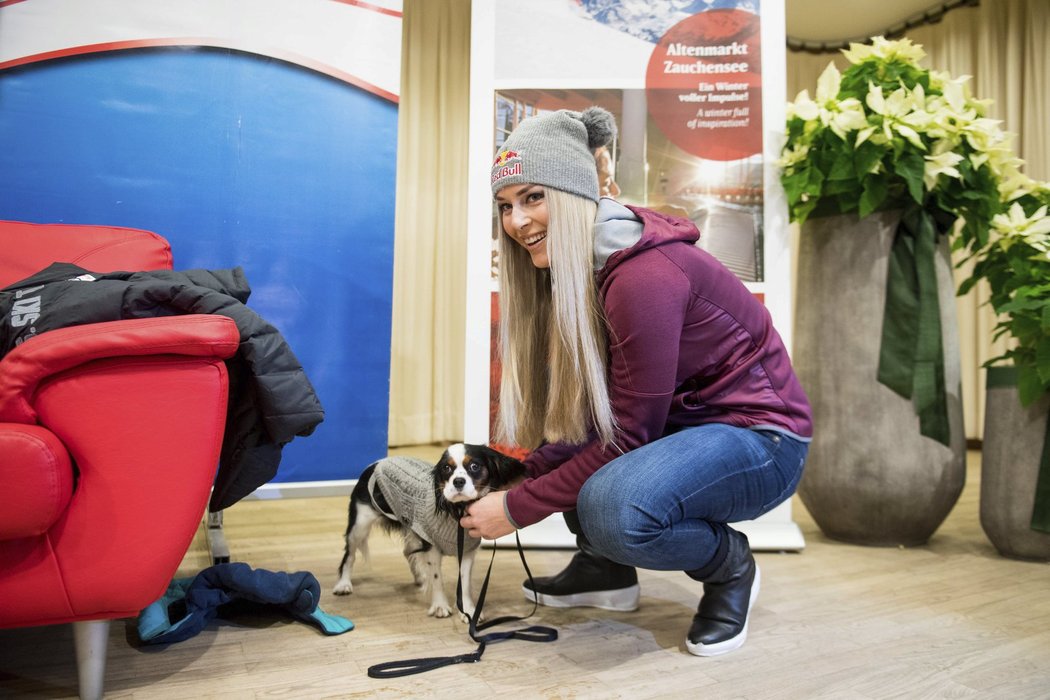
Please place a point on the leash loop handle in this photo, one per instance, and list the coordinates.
(535, 633)
(409, 667)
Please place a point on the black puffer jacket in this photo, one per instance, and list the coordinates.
(271, 399)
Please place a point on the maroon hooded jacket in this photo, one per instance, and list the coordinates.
(688, 345)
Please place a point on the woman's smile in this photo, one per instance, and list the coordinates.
(532, 240)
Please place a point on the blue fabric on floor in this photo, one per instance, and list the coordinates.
(224, 590)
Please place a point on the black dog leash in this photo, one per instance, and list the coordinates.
(535, 633)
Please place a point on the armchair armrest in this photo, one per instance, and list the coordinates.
(58, 350)
(36, 478)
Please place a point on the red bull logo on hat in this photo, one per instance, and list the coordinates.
(507, 163)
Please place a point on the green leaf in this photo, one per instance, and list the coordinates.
(795, 128)
(836, 187)
(922, 77)
(874, 194)
(794, 185)
(842, 169)
(815, 182)
(1024, 328)
(1029, 388)
(802, 211)
(847, 202)
(910, 166)
(1042, 359)
(967, 285)
(865, 157)
(998, 360)
(1019, 303)
(854, 82)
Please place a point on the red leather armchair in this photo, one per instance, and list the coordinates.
(109, 442)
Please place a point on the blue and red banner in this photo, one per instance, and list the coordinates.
(261, 134)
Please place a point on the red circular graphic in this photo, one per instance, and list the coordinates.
(704, 85)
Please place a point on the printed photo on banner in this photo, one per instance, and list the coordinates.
(690, 133)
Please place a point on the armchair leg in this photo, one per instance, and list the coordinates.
(217, 547)
(91, 638)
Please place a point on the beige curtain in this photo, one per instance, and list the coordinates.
(427, 334)
(1003, 44)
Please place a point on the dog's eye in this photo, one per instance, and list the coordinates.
(473, 468)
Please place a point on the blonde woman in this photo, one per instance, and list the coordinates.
(659, 397)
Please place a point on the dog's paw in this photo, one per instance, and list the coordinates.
(467, 614)
(343, 588)
(438, 610)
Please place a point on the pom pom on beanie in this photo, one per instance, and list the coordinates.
(555, 149)
(600, 125)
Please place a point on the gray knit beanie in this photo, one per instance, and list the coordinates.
(555, 149)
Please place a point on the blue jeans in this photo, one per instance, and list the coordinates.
(664, 505)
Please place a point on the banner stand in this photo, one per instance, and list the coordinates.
(695, 96)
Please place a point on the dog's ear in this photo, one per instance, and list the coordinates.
(441, 505)
(438, 481)
(503, 467)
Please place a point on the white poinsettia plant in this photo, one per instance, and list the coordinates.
(1015, 261)
(888, 133)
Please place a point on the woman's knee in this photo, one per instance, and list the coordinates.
(614, 524)
(597, 508)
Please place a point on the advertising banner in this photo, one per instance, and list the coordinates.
(695, 87)
(250, 133)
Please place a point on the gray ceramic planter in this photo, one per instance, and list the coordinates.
(871, 477)
(1010, 454)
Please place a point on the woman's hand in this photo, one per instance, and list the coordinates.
(486, 517)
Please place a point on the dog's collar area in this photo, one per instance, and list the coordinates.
(456, 510)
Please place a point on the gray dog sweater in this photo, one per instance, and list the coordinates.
(407, 484)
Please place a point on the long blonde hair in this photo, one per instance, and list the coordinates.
(554, 385)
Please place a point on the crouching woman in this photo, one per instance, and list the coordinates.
(662, 400)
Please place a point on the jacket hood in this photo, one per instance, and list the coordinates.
(621, 232)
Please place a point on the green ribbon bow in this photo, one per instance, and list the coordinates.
(911, 358)
(1041, 507)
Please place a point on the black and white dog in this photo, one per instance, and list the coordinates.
(424, 502)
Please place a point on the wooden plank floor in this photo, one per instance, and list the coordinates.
(951, 619)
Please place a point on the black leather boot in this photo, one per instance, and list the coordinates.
(730, 589)
(590, 580)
